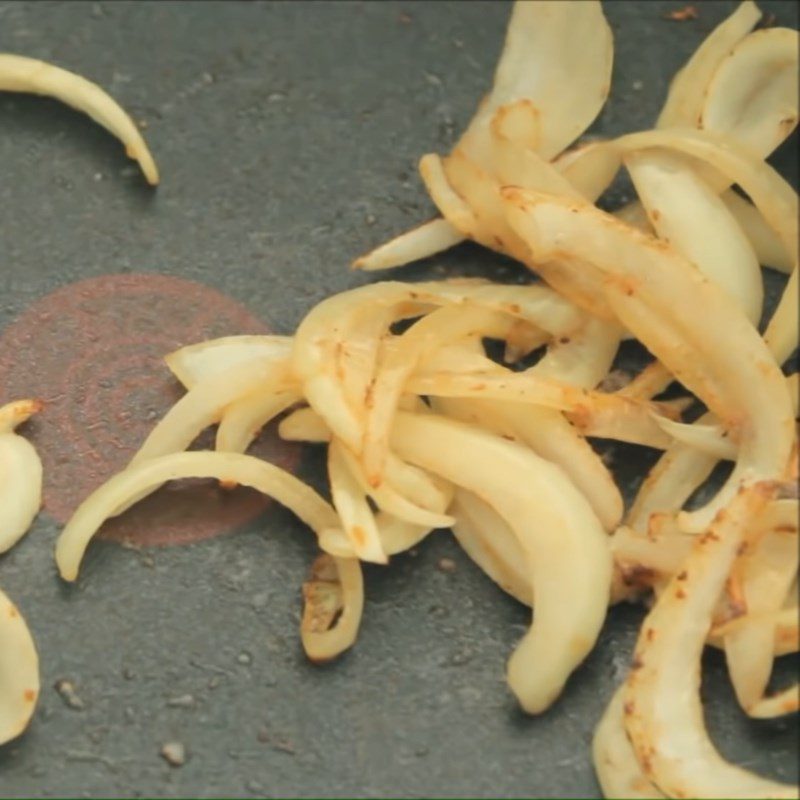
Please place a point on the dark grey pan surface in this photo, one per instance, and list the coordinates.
(287, 135)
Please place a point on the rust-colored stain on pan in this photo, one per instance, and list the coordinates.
(93, 352)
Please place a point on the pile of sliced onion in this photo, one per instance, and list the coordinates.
(425, 431)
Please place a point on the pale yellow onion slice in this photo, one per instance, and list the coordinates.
(545, 50)
(489, 541)
(589, 410)
(766, 573)
(405, 494)
(29, 75)
(663, 712)
(453, 208)
(709, 439)
(690, 216)
(618, 772)
(787, 701)
(782, 330)
(195, 362)
(687, 91)
(20, 474)
(396, 535)
(550, 436)
(657, 551)
(322, 337)
(19, 672)
(478, 188)
(559, 57)
(144, 476)
(590, 168)
(728, 348)
(786, 623)
(205, 403)
(565, 545)
(436, 329)
(333, 602)
(772, 195)
(764, 240)
(520, 165)
(304, 425)
(421, 242)
(350, 502)
(752, 95)
(652, 380)
(672, 480)
(243, 419)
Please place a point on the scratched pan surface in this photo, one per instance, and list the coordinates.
(287, 135)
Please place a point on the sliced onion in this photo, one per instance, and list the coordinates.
(687, 91)
(559, 57)
(752, 95)
(489, 541)
(421, 242)
(564, 543)
(20, 474)
(690, 216)
(333, 599)
(196, 362)
(646, 275)
(550, 436)
(145, 475)
(243, 419)
(19, 672)
(29, 75)
(663, 712)
(618, 771)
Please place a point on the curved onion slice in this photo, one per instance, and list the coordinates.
(687, 91)
(431, 332)
(663, 712)
(421, 242)
(690, 216)
(20, 474)
(19, 672)
(590, 168)
(333, 598)
(559, 57)
(350, 502)
(752, 95)
(565, 545)
(545, 51)
(243, 419)
(29, 75)
(550, 436)
(678, 301)
(195, 362)
(145, 476)
(489, 541)
(205, 402)
(304, 425)
(763, 239)
(709, 439)
(618, 771)
(766, 573)
(589, 410)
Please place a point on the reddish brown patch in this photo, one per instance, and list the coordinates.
(93, 350)
(29, 695)
(682, 14)
(12, 612)
(359, 535)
